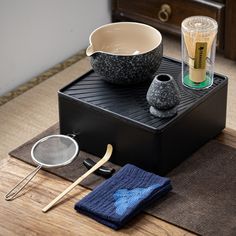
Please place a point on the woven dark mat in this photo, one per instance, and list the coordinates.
(203, 199)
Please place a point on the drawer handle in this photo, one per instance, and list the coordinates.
(164, 13)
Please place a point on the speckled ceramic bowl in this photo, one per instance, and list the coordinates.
(125, 52)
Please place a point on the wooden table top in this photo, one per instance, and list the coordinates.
(20, 120)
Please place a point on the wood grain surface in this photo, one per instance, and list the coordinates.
(148, 12)
(23, 118)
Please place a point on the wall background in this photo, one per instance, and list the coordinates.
(36, 35)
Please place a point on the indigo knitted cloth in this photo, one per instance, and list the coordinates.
(121, 197)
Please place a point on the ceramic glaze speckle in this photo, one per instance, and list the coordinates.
(127, 69)
(163, 96)
(125, 52)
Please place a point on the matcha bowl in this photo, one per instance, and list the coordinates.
(125, 52)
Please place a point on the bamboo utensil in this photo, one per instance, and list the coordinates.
(198, 51)
(95, 167)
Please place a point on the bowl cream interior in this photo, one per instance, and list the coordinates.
(124, 38)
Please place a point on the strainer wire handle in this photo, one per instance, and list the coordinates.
(19, 186)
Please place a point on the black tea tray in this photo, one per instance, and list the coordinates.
(100, 113)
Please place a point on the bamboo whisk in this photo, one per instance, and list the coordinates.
(199, 33)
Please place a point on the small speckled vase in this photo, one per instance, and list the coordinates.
(163, 96)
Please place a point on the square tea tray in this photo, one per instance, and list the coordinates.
(100, 113)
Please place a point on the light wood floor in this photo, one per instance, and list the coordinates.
(34, 111)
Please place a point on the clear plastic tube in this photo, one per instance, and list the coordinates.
(198, 37)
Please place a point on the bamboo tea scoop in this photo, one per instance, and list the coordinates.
(105, 158)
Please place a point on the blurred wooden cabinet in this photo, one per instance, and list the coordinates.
(167, 15)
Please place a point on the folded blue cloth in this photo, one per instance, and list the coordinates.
(120, 198)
